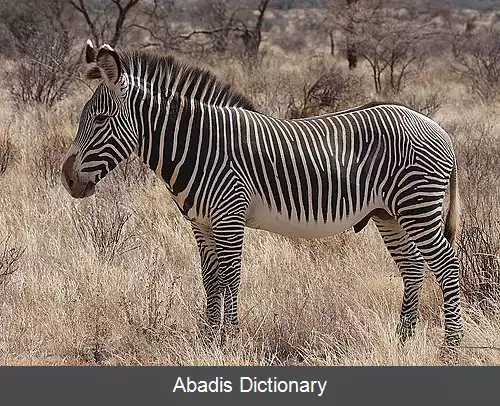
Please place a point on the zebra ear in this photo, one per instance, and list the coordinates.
(92, 72)
(90, 52)
(108, 63)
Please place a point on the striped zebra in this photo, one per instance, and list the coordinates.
(228, 167)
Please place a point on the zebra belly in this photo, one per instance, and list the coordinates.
(260, 216)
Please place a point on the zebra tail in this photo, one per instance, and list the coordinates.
(452, 222)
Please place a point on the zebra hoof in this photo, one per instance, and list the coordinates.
(452, 339)
(406, 328)
(230, 331)
(404, 333)
(209, 331)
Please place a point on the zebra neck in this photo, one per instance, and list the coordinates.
(169, 143)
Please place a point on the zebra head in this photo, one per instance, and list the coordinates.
(105, 135)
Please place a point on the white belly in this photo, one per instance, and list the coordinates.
(261, 217)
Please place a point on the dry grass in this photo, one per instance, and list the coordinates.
(114, 279)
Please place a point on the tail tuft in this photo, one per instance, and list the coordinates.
(452, 222)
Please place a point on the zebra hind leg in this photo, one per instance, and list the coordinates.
(411, 265)
(209, 269)
(426, 233)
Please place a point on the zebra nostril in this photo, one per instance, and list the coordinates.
(71, 182)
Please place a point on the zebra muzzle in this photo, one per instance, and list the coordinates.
(72, 180)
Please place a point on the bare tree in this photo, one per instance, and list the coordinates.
(392, 48)
(396, 46)
(221, 27)
(394, 42)
(251, 34)
(162, 23)
(216, 22)
(341, 14)
(105, 20)
(230, 26)
(477, 60)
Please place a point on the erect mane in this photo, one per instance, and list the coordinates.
(200, 83)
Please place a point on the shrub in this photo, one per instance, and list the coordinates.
(479, 241)
(151, 318)
(6, 151)
(477, 61)
(10, 257)
(427, 104)
(47, 66)
(106, 228)
(47, 157)
(328, 91)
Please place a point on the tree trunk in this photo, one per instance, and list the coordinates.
(255, 37)
(332, 43)
(352, 54)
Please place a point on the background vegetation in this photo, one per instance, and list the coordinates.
(114, 279)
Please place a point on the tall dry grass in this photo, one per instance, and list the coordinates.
(114, 279)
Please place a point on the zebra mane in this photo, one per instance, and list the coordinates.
(198, 81)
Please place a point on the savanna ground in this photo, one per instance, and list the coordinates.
(115, 279)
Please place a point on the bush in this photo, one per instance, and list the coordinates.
(10, 257)
(106, 228)
(47, 66)
(479, 240)
(427, 104)
(6, 151)
(477, 61)
(151, 318)
(330, 90)
(47, 159)
(18, 22)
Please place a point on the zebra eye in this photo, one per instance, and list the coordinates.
(101, 118)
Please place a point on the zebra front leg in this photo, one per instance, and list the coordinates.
(209, 270)
(228, 233)
(411, 265)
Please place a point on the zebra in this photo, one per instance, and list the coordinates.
(228, 166)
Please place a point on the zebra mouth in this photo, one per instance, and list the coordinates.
(78, 190)
(88, 191)
(81, 192)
